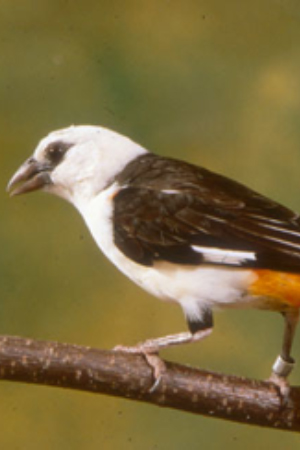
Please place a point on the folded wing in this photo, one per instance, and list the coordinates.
(174, 211)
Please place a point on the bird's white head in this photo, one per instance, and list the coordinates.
(75, 163)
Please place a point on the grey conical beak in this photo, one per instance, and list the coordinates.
(32, 175)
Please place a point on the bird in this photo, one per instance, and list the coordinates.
(181, 232)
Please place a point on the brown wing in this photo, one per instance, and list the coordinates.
(174, 211)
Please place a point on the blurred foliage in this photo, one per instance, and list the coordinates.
(213, 82)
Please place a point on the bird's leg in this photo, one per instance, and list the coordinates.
(284, 363)
(151, 347)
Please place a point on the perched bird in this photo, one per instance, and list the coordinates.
(179, 231)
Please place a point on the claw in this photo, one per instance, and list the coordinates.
(284, 387)
(154, 361)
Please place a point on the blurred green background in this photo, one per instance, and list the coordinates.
(213, 82)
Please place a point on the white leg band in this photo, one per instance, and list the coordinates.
(283, 368)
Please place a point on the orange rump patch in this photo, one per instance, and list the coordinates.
(284, 287)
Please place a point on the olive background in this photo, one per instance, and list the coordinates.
(212, 82)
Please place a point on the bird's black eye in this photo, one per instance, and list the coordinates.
(56, 151)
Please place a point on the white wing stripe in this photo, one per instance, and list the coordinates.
(224, 256)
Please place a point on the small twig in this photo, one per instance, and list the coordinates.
(128, 375)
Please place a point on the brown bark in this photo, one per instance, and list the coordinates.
(129, 376)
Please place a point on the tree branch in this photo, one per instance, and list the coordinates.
(129, 376)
